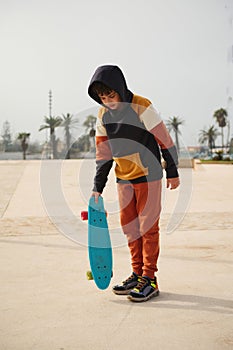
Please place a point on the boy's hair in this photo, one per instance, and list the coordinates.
(100, 88)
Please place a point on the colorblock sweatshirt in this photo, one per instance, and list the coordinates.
(134, 137)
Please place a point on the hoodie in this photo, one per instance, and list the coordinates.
(133, 136)
(113, 77)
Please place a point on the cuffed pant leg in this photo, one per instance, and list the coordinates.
(150, 249)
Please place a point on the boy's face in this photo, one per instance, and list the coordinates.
(111, 100)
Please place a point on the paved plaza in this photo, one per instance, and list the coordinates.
(48, 304)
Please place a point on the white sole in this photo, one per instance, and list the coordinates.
(140, 300)
(124, 292)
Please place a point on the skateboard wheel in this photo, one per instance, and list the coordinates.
(89, 275)
(84, 215)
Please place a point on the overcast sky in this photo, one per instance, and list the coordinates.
(173, 52)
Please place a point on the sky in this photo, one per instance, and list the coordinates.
(172, 52)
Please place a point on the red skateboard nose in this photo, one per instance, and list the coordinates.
(84, 215)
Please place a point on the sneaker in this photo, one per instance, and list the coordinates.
(145, 289)
(126, 286)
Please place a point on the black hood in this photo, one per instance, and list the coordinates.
(113, 77)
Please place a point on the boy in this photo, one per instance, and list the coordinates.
(130, 132)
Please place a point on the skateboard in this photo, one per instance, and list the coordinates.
(99, 244)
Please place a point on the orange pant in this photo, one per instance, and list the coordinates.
(140, 207)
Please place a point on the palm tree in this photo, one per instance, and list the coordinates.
(173, 124)
(67, 123)
(209, 136)
(52, 123)
(90, 127)
(220, 116)
(23, 137)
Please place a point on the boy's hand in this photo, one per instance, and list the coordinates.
(173, 183)
(96, 195)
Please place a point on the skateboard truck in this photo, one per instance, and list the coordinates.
(84, 215)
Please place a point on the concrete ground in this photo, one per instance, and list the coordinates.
(46, 300)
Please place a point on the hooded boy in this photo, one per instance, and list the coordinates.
(131, 133)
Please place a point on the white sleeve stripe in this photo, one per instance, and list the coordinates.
(100, 129)
(151, 118)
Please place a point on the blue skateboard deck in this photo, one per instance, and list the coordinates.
(99, 244)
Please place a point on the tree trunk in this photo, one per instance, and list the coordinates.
(24, 146)
(222, 141)
(177, 142)
(68, 146)
(53, 144)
